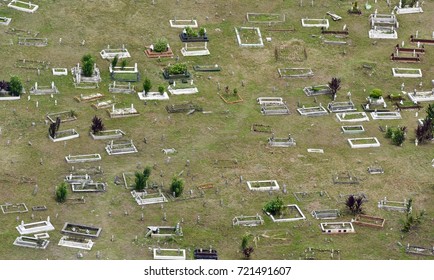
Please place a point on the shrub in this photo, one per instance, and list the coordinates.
(147, 85)
(177, 186)
(424, 131)
(411, 222)
(274, 207)
(147, 172)
(177, 68)
(190, 32)
(245, 248)
(15, 86)
(376, 93)
(88, 65)
(161, 89)
(398, 136)
(54, 127)
(334, 85)
(97, 125)
(354, 204)
(430, 111)
(161, 45)
(62, 192)
(202, 32)
(139, 181)
(123, 64)
(115, 61)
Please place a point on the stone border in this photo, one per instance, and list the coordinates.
(290, 206)
(5, 21)
(340, 107)
(73, 134)
(313, 111)
(154, 231)
(348, 129)
(400, 206)
(364, 117)
(273, 185)
(35, 227)
(78, 243)
(42, 90)
(158, 256)
(78, 179)
(5, 207)
(32, 42)
(421, 96)
(337, 227)
(207, 68)
(383, 33)
(260, 44)
(185, 23)
(89, 187)
(417, 250)
(386, 115)
(316, 22)
(82, 227)
(417, 73)
(89, 97)
(82, 158)
(112, 134)
(59, 71)
(281, 142)
(305, 72)
(282, 16)
(53, 116)
(310, 92)
(152, 95)
(405, 11)
(123, 112)
(300, 195)
(121, 148)
(112, 53)
(32, 7)
(141, 199)
(375, 143)
(103, 104)
(328, 214)
(180, 91)
(247, 221)
(31, 242)
(127, 89)
(370, 221)
(195, 50)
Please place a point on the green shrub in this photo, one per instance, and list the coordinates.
(15, 86)
(274, 207)
(376, 93)
(161, 45)
(190, 32)
(177, 68)
(202, 31)
(115, 61)
(62, 192)
(147, 85)
(161, 89)
(177, 186)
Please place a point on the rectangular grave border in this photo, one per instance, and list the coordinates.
(123, 112)
(400, 206)
(318, 151)
(337, 228)
(179, 23)
(79, 78)
(415, 72)
(352, 129)
(65, 116)
(118, 70)
(107, 134)
(169, 231)
(121, 88)
(370, 221)
(31, 9)
(43, 90)
(363, 117)
(418, 250)
(78, 179)
(289, 206)
(328, 214)
(39, 208)
(328, 252)
(103, 104)
(5, 20)
(189, 90)
(183, 108)
(238, 97)
(89, 97)
(121, 147)
(271, 185)
(421, 96)
(77, 243)
(32, 42)
(17, 206)
(247, 221)
(280, 16)
(313, 111)
(383, 33)
(315, 22)
(70, 134)
(274, 109)
(414, 39)
(59, 71)
(300, 195)
(281, 142)
(375, 170)
(152, 95)
(79, 230)
(207, 68)
(76, 200)
(153, 54)
(31, 242)
(91, 170)
(375, 142)
(259, 44)
(159, 255)
(142, 199)
(195, 49)
(89, 187)
(345, 177)
(261, 128)
(386, 115)
(36, 227)
(317, 90)
(32, 64)
(412, 10)
(109, 53)
(301, 72)
(339, 107)
(82, 158)
(201, 254)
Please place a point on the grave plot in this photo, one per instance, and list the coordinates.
(418, 250)
(79, 78)
(263, 186)
(370, 221)
(76, 242)
(76, 200)
(328, 214)
(182, 88)
(319, 151)
(183, 108)
(405, 57)
(27, 7)
(183, 23)
(145, 198)
(407, 72)
(274, 109)
(344, 177)
(123, 112)
(36, 227)
(64, 116)
(311, 196)
(295, 72)
(9, 208)
(103, 104)
(337, 227)
(415, 39)
(5, 93)
(195, 49)
(248, 221)
(92, 170)
(39, 208)
(386, 115)
(189, 35)
(408, 9)
(107, 134)
(128, 178)
(290, 213)
(121, 88)
(365, 142)
(81, 230)
(82, 158)
(317, 90)
(249, 37)
(124, 74)
(64, 135)
(408, 104)
(265, 18)
(312, 111)
(110, 53)
(204, 254)
(33, 42)
(342, 33)
(292, 51)
(339, 107)
(383, 26)
(89, 97)
(352, 117)
(383, 33)
(323, 23)
(5, 20)
(169, 151)
(169, 254)
(261, 128)
(152, 53)
(32, 64)
(322, 254)
(121, 147)
(59, 71)
(226, 163)
(230, 97)
(176, 71)
(421, 96)
(153, 95)
(375, 170)
(78, 179)
(207, 68)
(400, 206)
(352, 129)
(375, 105)
(281, 142)
(44, 90)
(31, 242)
(164, 231)
(89, 187)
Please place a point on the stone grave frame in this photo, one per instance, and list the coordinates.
(339, 107)
(270, 109)
(337, 228)
(421, 96)
(317, 90)
(226, 163)
(78, 179)
(88, 187)
(79, 78)
(207, 254)
(281, 142)
(267, 18)
(153, 95)
(247, 221)
(400, 206)
(183, 108)
(43, 90)
(230, 97)
(408, 10)
(328, 214)
(188, 38)
(407, 57)
(27, 7)
(261, 128)
(32, 64)
(128, 178)
(107, 134)
(352, 129)
(9, 208)
(313, 111)
(82, 158)
(39, 208)
(291, 72)
(311, 196)
(418, 250)
(76, 242)
(313, 22)
(183, 23)
(182, 88)
(103, 104)
(407, 72)
(32, 42)
(263, 185)
(35, 227)
(375, 170)
(59, 71)
(386, 115)
(258, 44)
(76, 200)
(352, 117)
(344, 177)
(207, 68)
(64, 135)
(195, 49)
(313, 253)
(6, 96)
(5, 20)
(289, 208)
(145, 198)
(364, 142)
(81, 230)
(89, 97)
(383, 33)
(169, 254)
(370, 221)
(65, 116)
(131, 72)
(414, 39)
(164, 231)
(121, 88)
(31, 242)
(120, 147)
(109, 53)
(123, 112)
(149, 51)
(318, 151)
(91, 170)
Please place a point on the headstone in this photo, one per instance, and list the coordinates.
(142, 217)
(198, 219)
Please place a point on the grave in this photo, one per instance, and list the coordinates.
(82, 158)
(400, 206)
(183, 23)
(352, 129)
(176, 71)
(151, 53)
(328, 214)
(292, 72)
(342, 33)
(64, 116)
(264, 185)
(169, 151)
(81, 230)
(281, 142)
(383, 26)
(334, 16)
(76, 200)
(414, 39)
(317, 90)
(39, 208)
(103, 104)
(311, 196)
(418, 250)
(64, 135)
(290, 213)
(123, 112)
(76, 242)
(386, 115)
(121, 88)
(345, 177)
(398, 57)
(337, 227)
(89, 187)
(79, 78)
(183, 108)
(31, 242)
(35, 227)
(32, 64)
(407, 72)
(352, 117)
(59, 71)
(408, 9)
(78, 179)
(322, 254)
(9, 208)
(107, 134)
(33, 42)
(44, 90)
(121, 147)
(375, 170)
(375, 105)
(230, 97)
(5, 95)
(201, 254)
(421, 96)
(89, 97)
(27, 7)
(274, 109)
(312, 111)
(169, 254)
(109, 53)
(5, 20)
(124, 74)
(244, 35)
(383, 33)
(164, 231)
(145, 198)
(319, 151)
(207, 68)
(399, 49)
(366, 142)
(344, 197)
(92, 170)
(370, 221)
(265, 18)
(306, 22)
(188, 35)
(247, 221)
(226, 163)
(153, 95)
(339, 107)
(261, 128)
(182, 88)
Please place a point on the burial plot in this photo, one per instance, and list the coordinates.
(339, 107)
(59, 71)
(195, 49)
(365, 142)
(407, 72)
(124, 74)
(152, 53)
(375, 105)
(91, 170)
(123, 112)
(107, 134)
(261, 128)
(44, 90)
(110, 53)
(322, 254)
(370, 221)
(264, 185)
(33, 42)
(145, 198)
(89, 97)
(281, 142)
(182, 88)
(121, 147)
(412, 8)
(39, 208)
(418, 250)
(415, 39)
(64, 135)
(375, 170)
(352, 129)
(121, 88)
(31, 242)
(421, 96)
(265, 18)
(317, 90)
(230, 97)
(176, 71)
(311, 196)
(383, 26)
(189, 35)
(32, 64)
(386, 115)
(76, 200)
(5, 20)
(27, 7)
(409, 58)
(352, 117)
(81, 230)
(247, 221)
(183, 23)
(273, 106)
(78, 179)
(400, 206)
(83, 82)
(164, 231)
(289, 213)
(169, 254)
(344, 177)
(82, 158)
(249, 37)
(36, 227)
(76, 242)
(295, 72)
(5, 93)
(312, 111)
(183, 108)
(103, 104)
(207, 68)
(226, 163)
(205, 254)
(64, 116)
(337, 227)
(323, 23)
(89, 187)
(9, 208)
(153, 95)
(328, 214)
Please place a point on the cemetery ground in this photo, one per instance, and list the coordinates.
(223, 133)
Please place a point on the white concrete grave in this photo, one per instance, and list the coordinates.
(245, 42)
(27, 7)
(407, 72)
(121, 147)
(64, 135)
(247, 221)
(367, 142)
(313, 111)
(169, 254)
(44, 90)
(103, 104)
(421, 96)
(145, 198)
(269, 100)
(339, 107)
(153, 95)
(164, 231)
(182, 88)
(89, 97)
(281, 142)
(400, 206)
(383, 33)
(195, 49)
(77, 243)
(291, 210)
(370, 221)
(386, 115)
(183, 23)
(82, 158)
(109, 53)
(318, 151)
(35, 42)
(124, 70)
(311, 22)
(31, 242)
(121, 88)
(107, 134)
(9, 208)
(415, 9)
(337, 227)
(89, 187)
(35, 227)
(265, 18)
(77, 178)
(169, 151)
(264, 185)
(295, 72)
(352, 117)
(59, 71)
(351, 129)
(123, 112)
(5, 20)
(328, 214)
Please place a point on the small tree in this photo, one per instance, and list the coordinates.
(177, 186)
(354, 204)
(274, 207)
(334, 85)
(398, 136)
(147, 85)
(161, 89)
(147, 173)
(15, 86)
(411, 222)
(202, 32)
(124, 64)
(430, 112)
(161, 45)
(61, 192)
(115, 61)
(88, 65)
(424, 131)
(245, 248)
(97, 125)
(376, 93)
(54, 127)
(139, 181)
(190, 32)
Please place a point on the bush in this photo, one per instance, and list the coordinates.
(190, 32)
(177, 186)
(62, 192)
(161, 89)
(424, 131)
(161, 45)
(202, 32)
(88, 65)
(115, 61)
(147, 85)
(177, 68)
(274, 207)
(354, 204)
(376, 93)
(398, 137)
(139, 182)
(15, 86)
(97, 125)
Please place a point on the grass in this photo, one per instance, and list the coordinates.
(203, 138)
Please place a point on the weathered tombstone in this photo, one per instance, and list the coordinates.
(35, 190)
